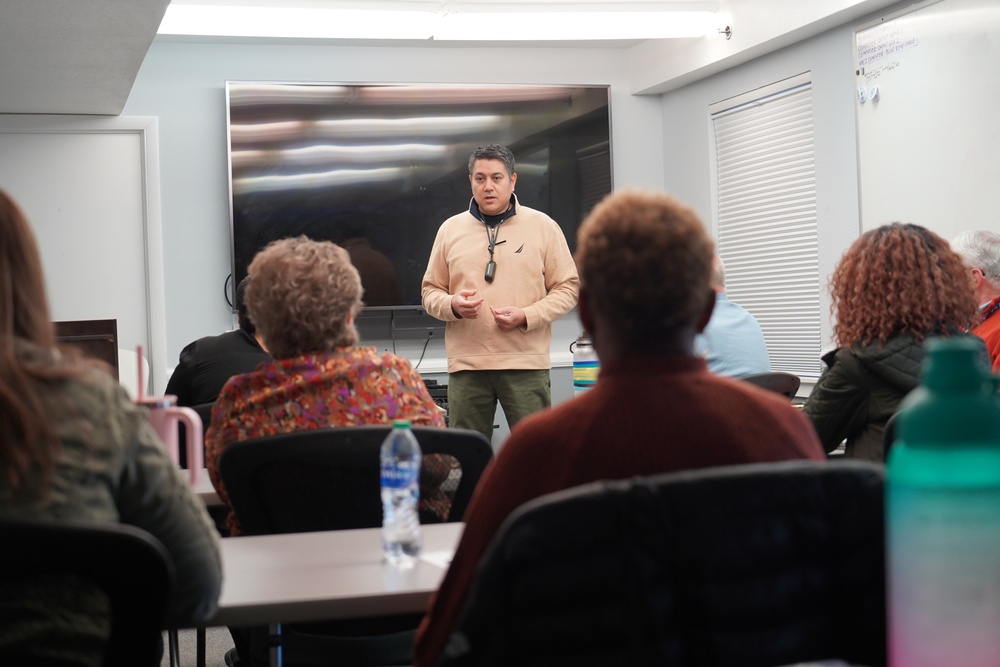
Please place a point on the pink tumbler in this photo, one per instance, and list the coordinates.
(164, 416)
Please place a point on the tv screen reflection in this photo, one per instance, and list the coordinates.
(378, 168)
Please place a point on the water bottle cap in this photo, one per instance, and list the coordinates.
(955, 401)
(954, 365)
(401, 423)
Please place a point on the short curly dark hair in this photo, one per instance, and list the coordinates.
(645, 260)
(899, 277)
(242, 315)
(301, 296)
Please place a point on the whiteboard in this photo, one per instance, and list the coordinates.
(90, 189)
(929, 145)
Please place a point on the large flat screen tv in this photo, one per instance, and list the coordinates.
(378, 167)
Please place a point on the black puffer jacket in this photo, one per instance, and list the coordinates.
(861, 388)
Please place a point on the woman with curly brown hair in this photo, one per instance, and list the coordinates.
(894, 287)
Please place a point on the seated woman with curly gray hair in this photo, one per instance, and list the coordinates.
(303, 297)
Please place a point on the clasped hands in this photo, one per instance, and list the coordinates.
(467, 303)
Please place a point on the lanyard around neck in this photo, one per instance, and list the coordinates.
(491, 236)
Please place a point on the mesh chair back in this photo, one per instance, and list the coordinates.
(889, 435)
(754, 565)
(204, 411)
(783, 383)
(328, 479)
(129, 565)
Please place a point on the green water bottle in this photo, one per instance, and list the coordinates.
(943, 514)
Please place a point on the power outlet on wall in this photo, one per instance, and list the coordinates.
(415, 326)
(414, 333)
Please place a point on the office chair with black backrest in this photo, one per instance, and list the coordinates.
(750, 566)
(781, 382)
(130, 566)
(328, 479)
(889, 435)
(204, 411)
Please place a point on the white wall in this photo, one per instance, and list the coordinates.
(183, 84)
(687, 132)
(89, 187)
(758, 27)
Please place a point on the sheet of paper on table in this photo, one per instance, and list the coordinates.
(439, 558)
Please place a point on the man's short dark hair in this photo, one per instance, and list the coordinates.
(493, 152)
(241, 309)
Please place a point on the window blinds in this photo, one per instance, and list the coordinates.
(767, 226)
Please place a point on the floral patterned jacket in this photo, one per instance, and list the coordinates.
(347, 387)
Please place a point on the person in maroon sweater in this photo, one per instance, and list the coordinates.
(644, 261)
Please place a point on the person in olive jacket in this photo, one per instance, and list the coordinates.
(75, 449)
(895, 286)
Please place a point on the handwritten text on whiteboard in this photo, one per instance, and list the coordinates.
(881, 41)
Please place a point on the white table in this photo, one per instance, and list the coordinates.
(274, 579)
(204, 489)
(327, 575)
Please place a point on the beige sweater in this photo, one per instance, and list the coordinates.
(535, 272)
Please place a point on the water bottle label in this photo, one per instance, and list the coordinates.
(399, 477)
(944, 576)
(585, 374)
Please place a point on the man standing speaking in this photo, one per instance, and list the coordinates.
(499, 274)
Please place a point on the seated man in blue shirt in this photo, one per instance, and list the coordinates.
(732, 343)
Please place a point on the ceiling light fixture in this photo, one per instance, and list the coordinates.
(295, 22)
(574, 22)
(442, 20)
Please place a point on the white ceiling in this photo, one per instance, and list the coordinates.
(73, 56)
(82, 56)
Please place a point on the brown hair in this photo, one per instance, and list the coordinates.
(27, 439)
(300, 297)
(645, 261)
(899, 277)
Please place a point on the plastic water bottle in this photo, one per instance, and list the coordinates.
(400, 459)
(943, 515)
